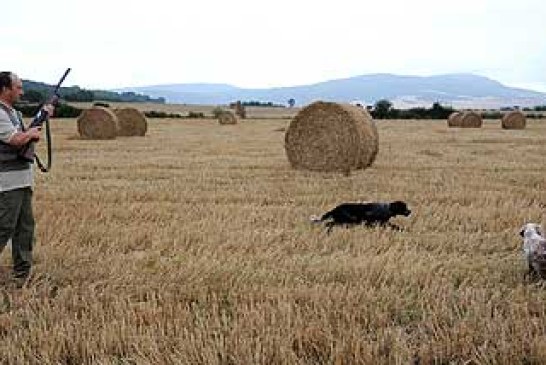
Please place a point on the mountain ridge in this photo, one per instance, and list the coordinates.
(457, 89)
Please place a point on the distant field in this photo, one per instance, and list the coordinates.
(183, 109)
(192, 245)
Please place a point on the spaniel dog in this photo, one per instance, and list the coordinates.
(534, 248)
(369, 214)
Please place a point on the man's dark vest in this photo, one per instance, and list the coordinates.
(8, 154)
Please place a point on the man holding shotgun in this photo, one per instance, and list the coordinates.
(16, 217)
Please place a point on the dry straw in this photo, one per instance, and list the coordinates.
(97, 123)
(454, 119)
(132, 122)
(227, 117)
(513, 120)
(327, 136)
(471, 120)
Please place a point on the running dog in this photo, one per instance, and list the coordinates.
(369, 214)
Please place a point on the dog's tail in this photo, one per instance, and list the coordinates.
(315, 219)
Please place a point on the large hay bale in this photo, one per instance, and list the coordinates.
(513, 120)
(367, 132)
(471, 120)
(131, 122)
(454, 119)
(97, 123)
(227, 117)
(327, 136)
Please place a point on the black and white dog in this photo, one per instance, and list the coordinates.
(369, 214)
(534, 249)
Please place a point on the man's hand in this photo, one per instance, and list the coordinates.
(19, 139)
(34, 133)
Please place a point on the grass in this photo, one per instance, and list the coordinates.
(192, 245)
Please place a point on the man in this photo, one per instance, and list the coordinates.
(16, 217)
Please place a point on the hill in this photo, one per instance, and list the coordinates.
(459, 90)
(37, 91)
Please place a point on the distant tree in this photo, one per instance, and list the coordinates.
(439, 112)
(291, 102)
(382, 108)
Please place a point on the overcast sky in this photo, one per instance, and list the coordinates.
(119, 43)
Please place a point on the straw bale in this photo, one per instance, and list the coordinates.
(368, 143)
(131, 122)
(513, 120)
(329, 137)
(454, 119)
(97, 123)
(227, 117)
(471, 120)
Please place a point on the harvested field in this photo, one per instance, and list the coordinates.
(192, 245)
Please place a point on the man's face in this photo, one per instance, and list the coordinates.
(13, 94)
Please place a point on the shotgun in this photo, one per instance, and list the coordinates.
(27, 151)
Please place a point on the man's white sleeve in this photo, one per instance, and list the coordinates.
(7, 130)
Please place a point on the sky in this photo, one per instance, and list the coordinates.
(260, 44)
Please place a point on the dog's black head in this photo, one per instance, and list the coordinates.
(399, 208)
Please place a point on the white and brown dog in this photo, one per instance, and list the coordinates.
(534, 248)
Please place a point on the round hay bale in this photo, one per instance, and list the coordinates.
(131, 122)
(329, 137)
(513, 120)
(368, 134)
(471, 120)
(454, 119)
(227, 117)
(97, 123)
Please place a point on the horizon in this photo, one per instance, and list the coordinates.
(531, 87)
(290, 86)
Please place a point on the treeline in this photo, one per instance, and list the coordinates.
(61, 111)
(257, 103)
(538, 108)
(68, 111)
(36, 92)
(498, 114)
(383, 109)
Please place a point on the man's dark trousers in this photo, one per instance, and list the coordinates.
(17, 223)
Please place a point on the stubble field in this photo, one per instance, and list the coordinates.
(192, 245)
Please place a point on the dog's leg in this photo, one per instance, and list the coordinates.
(531, 274)
(329, 227)
(394, 227)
